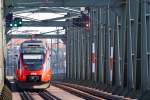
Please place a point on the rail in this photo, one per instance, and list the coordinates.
(88, 93)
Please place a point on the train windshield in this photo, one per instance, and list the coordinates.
(33, 58)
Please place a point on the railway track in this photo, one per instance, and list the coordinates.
(46, 95)
(81, 91)
(88, 93)
(26, 95)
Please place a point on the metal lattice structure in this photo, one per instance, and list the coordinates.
(119, 33)
(119, 38)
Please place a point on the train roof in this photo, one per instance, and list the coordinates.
(32, 46)
(32, 43)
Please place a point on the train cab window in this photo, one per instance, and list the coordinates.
(33, 61)
(33, 58)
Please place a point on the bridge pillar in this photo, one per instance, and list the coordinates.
(1, 46)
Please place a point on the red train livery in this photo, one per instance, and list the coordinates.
(33, 70)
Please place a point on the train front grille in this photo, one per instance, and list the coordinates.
(33, 78)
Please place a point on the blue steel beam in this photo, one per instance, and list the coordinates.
(55, 3)
(46, 24)
(63, 18)
(17, 10)
(144, 49)
(24, 36)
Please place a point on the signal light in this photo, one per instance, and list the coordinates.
(77, 22)
(9, 17)
(20, 22)
(10, 22)
(86, 21)
(87, 25)
(15, 25)
(17, 22)
(11, 25)
(83, 21)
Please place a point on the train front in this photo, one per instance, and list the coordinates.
(33, 69)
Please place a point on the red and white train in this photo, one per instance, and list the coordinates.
(33, 70)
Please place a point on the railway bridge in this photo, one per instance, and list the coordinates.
(106, 47)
